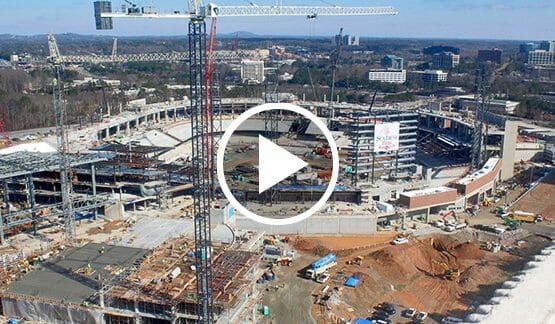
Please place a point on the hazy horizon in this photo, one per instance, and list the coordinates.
(421, 19)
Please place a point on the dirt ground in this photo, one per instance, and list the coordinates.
(540, 199)
(338, 243)
(403, 275)
(292, 302)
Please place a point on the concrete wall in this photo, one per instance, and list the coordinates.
(339, 224)
(434, 199)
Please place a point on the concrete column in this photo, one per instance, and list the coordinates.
(509, 150)
(167, 117)
(93, 180)
(175, 113)
(31, 200)
(117, 128)
(127, 128)
(7, 207)
(158, 116)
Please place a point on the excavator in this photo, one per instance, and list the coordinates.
(449, 273)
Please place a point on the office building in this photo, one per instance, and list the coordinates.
(548, 46)
(527, 47)
(434, 76)
(541, 57)
(503, 107)
(392, 62)
(252, 71)
(492, 55)
(389, 76)
(445, 60)
(346, 40)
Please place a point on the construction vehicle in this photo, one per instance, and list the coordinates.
(357, 260)
(525, 216)
(270, 241)
(445, 214)
(512, 224)
(320, 149)
(449, 273)
(321, 266)
(486, 202)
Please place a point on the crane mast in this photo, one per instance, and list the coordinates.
(201, 105)
(62, 145)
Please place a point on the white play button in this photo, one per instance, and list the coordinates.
(275, 164)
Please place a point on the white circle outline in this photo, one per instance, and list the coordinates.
(220, 163)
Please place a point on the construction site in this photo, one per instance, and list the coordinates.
(124, 221)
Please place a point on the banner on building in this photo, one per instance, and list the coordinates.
(386, 137)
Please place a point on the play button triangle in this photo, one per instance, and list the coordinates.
(275, 164)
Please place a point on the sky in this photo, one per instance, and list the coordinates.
(466, 19)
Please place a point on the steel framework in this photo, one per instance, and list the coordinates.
(61, 137)
(201, 127)
(478, 136)
(55, 56)
(271, 121)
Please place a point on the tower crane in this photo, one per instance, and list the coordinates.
(200, 109)
(334, 61)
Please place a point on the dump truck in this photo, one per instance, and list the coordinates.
(525, 216)
(320, 266)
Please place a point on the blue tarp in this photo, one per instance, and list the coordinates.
(352, 281)
(362, 321)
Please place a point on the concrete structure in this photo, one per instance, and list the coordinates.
(430, 197)
(445, 60)
(434, 76)
(317, 224)
(508, 150)
(389, 76)
(57, 292)
(492, 55)
(505, 107)
(252, 71)
(392, 62)
(541, 57)
(481, 182)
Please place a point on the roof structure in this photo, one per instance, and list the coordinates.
(73, 276)
(136, 149)
(25, 163)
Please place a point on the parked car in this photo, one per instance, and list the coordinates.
(421, 316)
(400, 240)
(388, 307)
(409, 312)
(451, 320)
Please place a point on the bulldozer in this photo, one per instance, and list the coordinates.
(357, 260)
(449, 273)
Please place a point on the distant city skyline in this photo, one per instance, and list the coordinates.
(461, 19)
